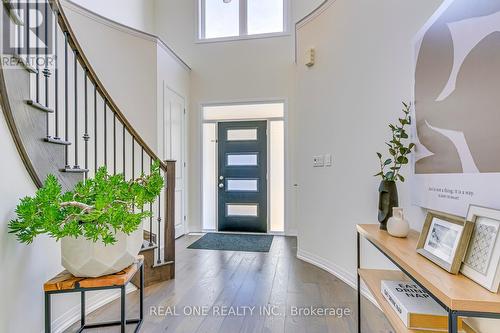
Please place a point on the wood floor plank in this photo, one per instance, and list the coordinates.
(275, 281)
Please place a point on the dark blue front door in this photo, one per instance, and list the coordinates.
(243, 176)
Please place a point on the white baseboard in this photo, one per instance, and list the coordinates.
(334, 269)
(94, 302)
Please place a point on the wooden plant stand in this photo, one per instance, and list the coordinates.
(458, 295)
(65, 283)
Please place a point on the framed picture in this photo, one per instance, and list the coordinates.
(482, 260)
(444, 240)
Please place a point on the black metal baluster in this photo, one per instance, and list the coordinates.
(46, 71)
(105, 133)
(66, 99)
(27, 28)
(114, 143)
(150, 205)
(133, 158)
(19, 47)
(95, 129)
(142, 207)
(123, 144)
(76, 166)
(86, 136)
(56, 78)
(158, 236)
(37, 45)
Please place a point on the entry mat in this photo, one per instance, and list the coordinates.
(233, 242)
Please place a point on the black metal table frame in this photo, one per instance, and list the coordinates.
(452, 314)
(123, 322)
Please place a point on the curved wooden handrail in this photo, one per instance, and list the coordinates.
(66, 27)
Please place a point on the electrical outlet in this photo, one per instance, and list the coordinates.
(318, 161)
(328, 160)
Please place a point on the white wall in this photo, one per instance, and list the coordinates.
(138, 14)
(24, 268)
(362, 73)
(344, 103)
(133, 68)
(125, 63)
(301, 8)
(246, 70)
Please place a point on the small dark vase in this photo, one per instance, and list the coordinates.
(388, 198)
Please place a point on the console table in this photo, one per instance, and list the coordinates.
(65, 283)
(458, 295)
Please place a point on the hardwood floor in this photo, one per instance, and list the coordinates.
(217, 281)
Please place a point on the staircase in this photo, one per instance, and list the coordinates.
(65, 123)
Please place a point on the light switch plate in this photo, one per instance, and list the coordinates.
(318, 161)
(328, 160)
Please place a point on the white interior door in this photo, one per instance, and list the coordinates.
(174, 146)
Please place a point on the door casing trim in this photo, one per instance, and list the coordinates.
(287, 196)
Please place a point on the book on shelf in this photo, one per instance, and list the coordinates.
(415, 307)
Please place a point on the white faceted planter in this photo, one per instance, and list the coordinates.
(83, 258)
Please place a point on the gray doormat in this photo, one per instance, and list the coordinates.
(233, 242)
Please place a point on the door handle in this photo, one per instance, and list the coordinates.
(221, 185)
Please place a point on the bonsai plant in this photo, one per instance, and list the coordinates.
(98, 223)
(390, 167)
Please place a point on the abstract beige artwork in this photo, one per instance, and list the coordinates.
(457, 108)
(457, 91)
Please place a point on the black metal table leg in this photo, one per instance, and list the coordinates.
(358, 281)
(47, 312)
(452, 322)
(122, 317)
(82, 309)
(141, 294)
(123, 322)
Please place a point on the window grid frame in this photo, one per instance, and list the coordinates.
(243, 24)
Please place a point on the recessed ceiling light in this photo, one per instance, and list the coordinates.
(227, 1)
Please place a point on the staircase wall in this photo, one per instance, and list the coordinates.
(144, 65)
(26, 268)
(138, 14)
(134, 68)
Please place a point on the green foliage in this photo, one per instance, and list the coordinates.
(398, 151)
(96, 209)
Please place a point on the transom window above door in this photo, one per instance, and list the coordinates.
(233, 19)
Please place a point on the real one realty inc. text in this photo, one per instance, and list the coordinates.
(243, 311)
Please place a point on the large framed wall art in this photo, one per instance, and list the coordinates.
(457, 108)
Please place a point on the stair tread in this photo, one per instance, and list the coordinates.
(148, 247)
(166, 263)
(25, 64)
(57, 141)
(39, 106)
(74, 170)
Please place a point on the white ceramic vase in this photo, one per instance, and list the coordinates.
(397, 225)
(83, 258)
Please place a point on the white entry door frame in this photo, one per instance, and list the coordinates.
(249, 115)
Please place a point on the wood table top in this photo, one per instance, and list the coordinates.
(457, 292)
(65, 281)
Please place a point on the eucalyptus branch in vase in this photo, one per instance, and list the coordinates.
(398, 149)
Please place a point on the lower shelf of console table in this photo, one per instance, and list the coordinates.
(458, 295)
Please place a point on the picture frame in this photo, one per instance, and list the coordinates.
(444, 240)
(482, 260)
